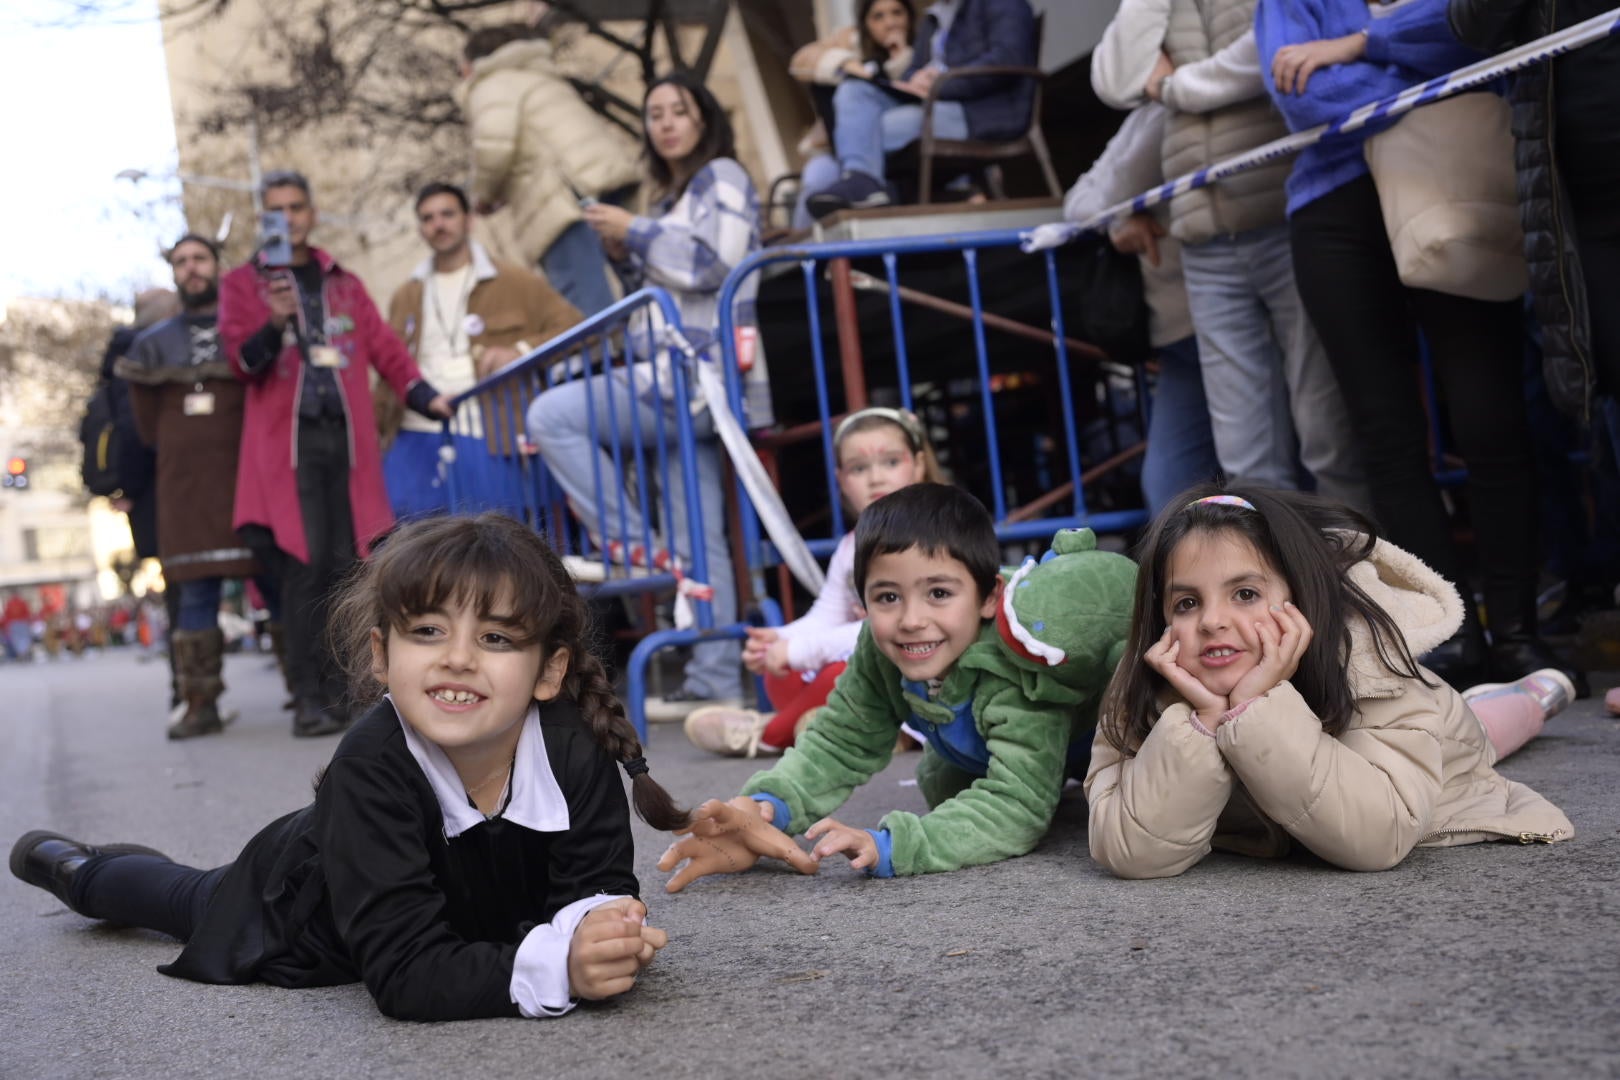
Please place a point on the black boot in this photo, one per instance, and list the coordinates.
(278, 649)
(1517, 651)
(1462, 659)
(311, 719)
(50, 860)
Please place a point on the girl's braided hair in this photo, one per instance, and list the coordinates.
(487, 561)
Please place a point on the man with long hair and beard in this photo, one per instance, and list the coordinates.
(188, 407)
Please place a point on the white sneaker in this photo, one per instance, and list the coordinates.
(582, 569)
(729, 732)
(680, 704)
(1550, 687)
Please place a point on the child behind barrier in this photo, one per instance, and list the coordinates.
(468, 853)
(1003, 679)
(1270, 696)
(878, 452)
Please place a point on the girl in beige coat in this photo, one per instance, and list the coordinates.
(1274, 699)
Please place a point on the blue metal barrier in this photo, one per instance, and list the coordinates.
(1011, 525)
(635, 343)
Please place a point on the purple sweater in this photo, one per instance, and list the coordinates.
(1410, 45)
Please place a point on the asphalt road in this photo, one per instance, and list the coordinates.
(1493, 960)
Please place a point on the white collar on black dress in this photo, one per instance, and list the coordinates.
(537, 800)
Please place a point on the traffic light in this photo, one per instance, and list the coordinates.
(16, 473)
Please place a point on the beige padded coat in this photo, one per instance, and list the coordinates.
(1414, 767)
(533, 139)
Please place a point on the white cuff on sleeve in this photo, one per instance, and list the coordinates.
(540, 970)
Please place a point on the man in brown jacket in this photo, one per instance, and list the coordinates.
(462, 315)
(188, 407)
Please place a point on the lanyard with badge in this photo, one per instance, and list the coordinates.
(316, 350)
(199, 402)
(455, 324)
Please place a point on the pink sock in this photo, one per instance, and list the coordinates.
(1511, 717)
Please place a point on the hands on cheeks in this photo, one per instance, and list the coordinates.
(1284, 635)
(1292, 67)
(728, 838)
(1206, 703)
(611, 946)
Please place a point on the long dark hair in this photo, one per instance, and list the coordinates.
(1312, 543)
(715, 141)
(867, 44)
(483, 561)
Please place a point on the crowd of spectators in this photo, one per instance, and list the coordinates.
(1279, 321)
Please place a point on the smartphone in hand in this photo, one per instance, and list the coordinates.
(275, 241)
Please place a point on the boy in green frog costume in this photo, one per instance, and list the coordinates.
(1001, 671)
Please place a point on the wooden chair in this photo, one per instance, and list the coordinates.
(1031, 142)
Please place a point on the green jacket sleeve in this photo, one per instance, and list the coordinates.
(851, 740)
(1005, 812)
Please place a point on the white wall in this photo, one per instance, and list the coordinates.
(1073, 28)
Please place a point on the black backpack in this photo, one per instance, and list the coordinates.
(99, 437)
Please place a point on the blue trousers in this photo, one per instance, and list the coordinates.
(872, 122)
(576, 454)
(1180, 446)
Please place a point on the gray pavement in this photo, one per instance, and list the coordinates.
(1493, 960)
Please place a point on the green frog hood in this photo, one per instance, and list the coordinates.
(1061, 621)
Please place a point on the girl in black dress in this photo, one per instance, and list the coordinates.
(468, 852)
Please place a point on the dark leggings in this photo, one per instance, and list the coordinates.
(1369, 324)
(1600, 265)
(146, 891)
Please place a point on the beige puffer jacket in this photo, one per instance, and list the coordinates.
(1198, 30)
(533, 137)
(1412, 769)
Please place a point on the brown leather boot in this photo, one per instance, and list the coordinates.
(199, 656)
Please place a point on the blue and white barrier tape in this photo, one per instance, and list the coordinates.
(1457, 82)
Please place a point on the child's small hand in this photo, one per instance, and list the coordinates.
(1204, 701)
(837, 838)
(776, 658)
(1284, 636)
(604, 957)
(728, 838)
(760, 639)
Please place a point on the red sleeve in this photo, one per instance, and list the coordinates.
(242, 314)
(383, 347)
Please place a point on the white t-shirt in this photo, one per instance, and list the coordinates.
(444, 348)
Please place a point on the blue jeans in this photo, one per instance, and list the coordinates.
(199, 604)
(1266, 375)
(577, 268)
(1180, 446)
(560, 426)
(873, 122)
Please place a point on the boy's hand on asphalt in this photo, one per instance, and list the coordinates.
(834, 838)
(728, 838)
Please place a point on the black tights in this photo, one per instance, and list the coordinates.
(1369, 324)
(146, 891)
